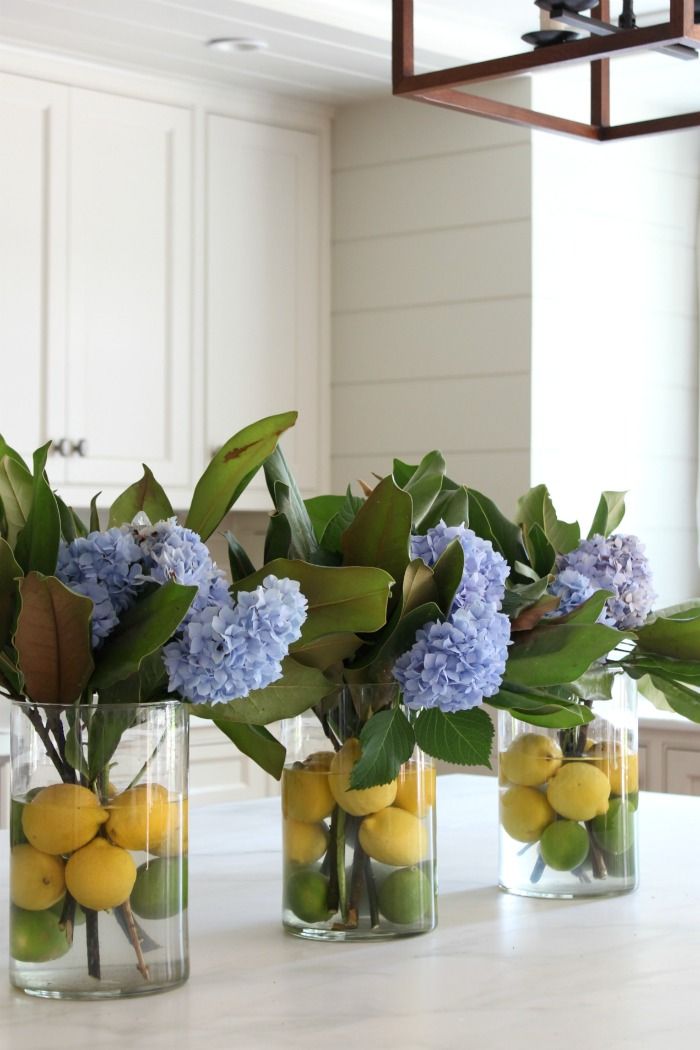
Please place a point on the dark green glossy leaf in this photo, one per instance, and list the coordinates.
(609, 513)
(104, 734)
(71, 524)
(16, 487)
(676, 635)
(7, 450)
(450, 506)
(9, 591)
(682, 699)
(239, 562)
(463, 737)
(491, 524)
(37, 544)
(553, 654)
(145, 496)
(52, 640)
(539, 549)
(254, 741)
(326, 652)
(586, 612)
(142, 630)
(148, 683)
(298, 690)
(231, 469)
(563, 535)
(321, 510)
(332, 537)
(287, 500)
(540, 708)
(520, 596)
(387, 741)
(380, 534)
(448, 571)
(278, 541)
(398, 636)
(423, 485)
(94, 513)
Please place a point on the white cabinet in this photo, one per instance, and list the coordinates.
(263, 290)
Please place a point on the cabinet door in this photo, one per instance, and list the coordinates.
(262, 295)
(32, 260)
(129, 317)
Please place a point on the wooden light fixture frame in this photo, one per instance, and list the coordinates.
(440, 88)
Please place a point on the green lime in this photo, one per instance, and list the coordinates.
(564, 845)
(160, 890)
(78, 918)
(17, 836)
(614, 830)
(307, 895)
(405, 896)
(35, 936)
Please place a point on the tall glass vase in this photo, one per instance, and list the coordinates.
(98, 837)
(359, 864)
(569, 801)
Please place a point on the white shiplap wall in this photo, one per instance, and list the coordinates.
(431, 293)
(614, 350)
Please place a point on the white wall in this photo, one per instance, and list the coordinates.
(431, 293)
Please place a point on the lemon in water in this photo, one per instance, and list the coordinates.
(394, 836)
(62, 818)
(356, 801)
(37, 880)
(525, 813)
(415, 790)
(175, 837)
(304, 843)
(579, 791)
(100, 875)
(306, 793)
(139, 816)
(532, 759)
(620, 767)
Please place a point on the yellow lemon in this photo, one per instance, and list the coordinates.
(306, 794)
(620, 767)
(138, 816)
(175, 837)
(37, 880)
(394, 836)
(415, 790)
(531, 759)
(304, 843)
(525, 813)
(62, 818)
(579, 791)
(358, 802)
(100, 875)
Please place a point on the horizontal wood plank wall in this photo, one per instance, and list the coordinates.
(431, 293)
(615, 346)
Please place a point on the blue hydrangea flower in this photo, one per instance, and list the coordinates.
(485, 570)
(173, 552)
(572, 589)
(223, 653)
(105, 566)
(455, 664)
(616, 564)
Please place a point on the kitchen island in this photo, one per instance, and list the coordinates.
(499, 972)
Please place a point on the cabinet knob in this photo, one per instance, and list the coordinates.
(62, 447)
(79, 448)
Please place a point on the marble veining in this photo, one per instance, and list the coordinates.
(499, 973)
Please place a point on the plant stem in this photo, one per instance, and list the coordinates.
(141, 966)
(64, 770)
(340, 865)
(331, 859)
(67, 919)
(371, 894)
(357, 879)
(93, 943)
(600, 869)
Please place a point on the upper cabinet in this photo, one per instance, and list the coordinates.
(163, 283)
(262, 292)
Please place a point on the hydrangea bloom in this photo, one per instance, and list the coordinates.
(485, 571)
(173, 552)
(105, 566)
(455, 664)
(572, 589)
(225, 652)
(616, 564)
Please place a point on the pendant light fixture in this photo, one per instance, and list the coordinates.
(570, 31)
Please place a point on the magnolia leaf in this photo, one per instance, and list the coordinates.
(52, 640)
(332, 538)
(450, 506)
(609, 513)
(104, 734)
(539, 708)
(380, 534)
(651, 693)
(145, 495)
(287, 500)
(540, 551)
(462, 737)
(387, 741)
(9, 574)
(419, 586)
(321, 511)
(564, 536)
(278, 541)
(254, 741)
(490, 523)
(448, 570)
(7, 450)
(148, 683)
(72, 525)
(676, 635)
(530, 617)
(239, 562)
(142, 630)
(683, 699)
(530, 507)
(16, 494)
(37, 544)
(652, 663)
(231, 469)
(328, 651)
(521, 596)
(398, 636)
(94, 513)
(586, 612)
(341, 599)
(299, 689)
(423, 485)
(554, 654)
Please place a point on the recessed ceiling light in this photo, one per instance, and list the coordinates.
(237, 43)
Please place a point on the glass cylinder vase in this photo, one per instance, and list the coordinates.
(98, 849)
(568, 801)
(359, 864)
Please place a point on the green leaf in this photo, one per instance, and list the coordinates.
(678, 670)
(104, 734)
(563, 535)
(300, 689)
(341, 599)
(231, 469)
(278, 540)
(491, 524)
(74, 745)
(520, 596)
(586, 612)
(332, 537)
(540, 551)
(148, 683)
(9, 574)
(94, 513)
(424, 483)
(71, 525)
(530, 507)
(419, 586)
(682, 699)
(609, 513)
(387, 741)
(52, 640)
(16, 488)
(676, 635)
(37, 544)
(254, 741)
(463, 737)
(450, 506)
(7, 450)
(287, 499)
(380, 534)
(143, 629)
(239, 562)
(399, 635)
(145, 495)
(328, 651)
(448, 572)
(10, 676)
(553, 654)
(540, 708)
(321, 509)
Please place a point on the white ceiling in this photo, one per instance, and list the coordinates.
(327, 50)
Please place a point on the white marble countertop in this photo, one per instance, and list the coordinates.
(499, 972)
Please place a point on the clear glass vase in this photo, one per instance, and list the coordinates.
(568, 802)
(98, 859)
(358, 864)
